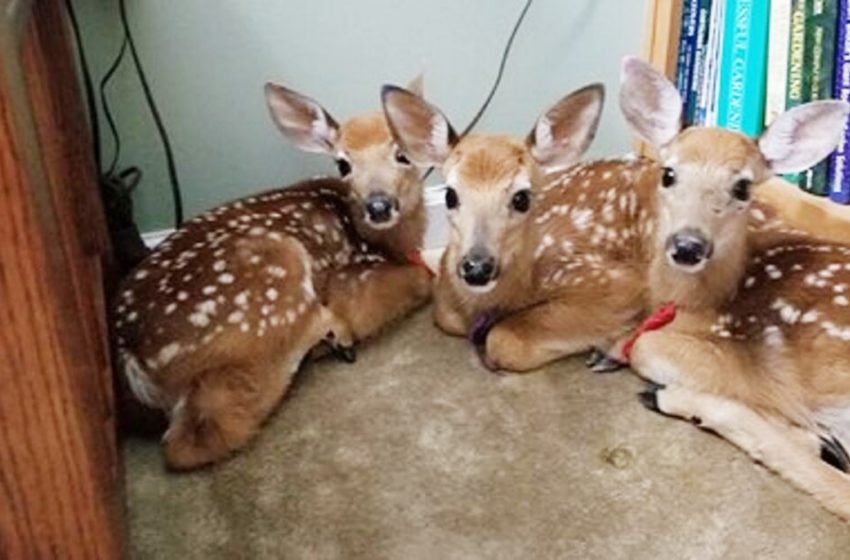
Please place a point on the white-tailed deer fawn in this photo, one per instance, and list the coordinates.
(549, 251)
(213, 325)
(759, 350)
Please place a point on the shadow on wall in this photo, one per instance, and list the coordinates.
(208, 59)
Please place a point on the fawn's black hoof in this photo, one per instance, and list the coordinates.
(649, 397)
(833, 453)
(607, 364)
(346, 354)
(593, 358)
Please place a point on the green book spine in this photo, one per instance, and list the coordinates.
(794, 94)
(820, 61)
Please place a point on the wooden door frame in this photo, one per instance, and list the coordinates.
(60, 477)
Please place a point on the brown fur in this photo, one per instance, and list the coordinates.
(214, 324)
(766, 324)
(482, 161)
(760, 346)
(755, 290)
(557, 267)
(367, 143)
(561, 302)
(365, 132)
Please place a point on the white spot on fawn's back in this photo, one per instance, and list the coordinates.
(773, 272)
(235, 317)
(199, 319)
(810, 316)
(168, 353)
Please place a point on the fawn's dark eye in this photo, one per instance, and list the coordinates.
(668, 177)
(451, 198)
(521, 200)
(742, 189)
(401, 158)
(343, 166)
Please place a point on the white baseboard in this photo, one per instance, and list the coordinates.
(437, 232)
(436, 235)
(154, 238)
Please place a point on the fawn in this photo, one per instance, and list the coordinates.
(759, 349)
(213, 325)
(553, 252)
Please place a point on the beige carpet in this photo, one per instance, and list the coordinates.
(416, 452)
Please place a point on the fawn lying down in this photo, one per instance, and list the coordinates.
(553, 255)
(213, 325)
(759, 350)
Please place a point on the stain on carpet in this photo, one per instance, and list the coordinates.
(416, 452)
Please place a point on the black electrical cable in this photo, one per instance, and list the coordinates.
(104, 103)
(505, 53)
(163, 134)
(495, 87)
(87, 83)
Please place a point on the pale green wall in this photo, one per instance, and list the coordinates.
(208, 59)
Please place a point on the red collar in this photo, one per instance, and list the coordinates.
(415, 258)
(661, 317)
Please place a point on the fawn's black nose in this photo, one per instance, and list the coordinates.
(689, 247)
(478, 269)
(379, 207)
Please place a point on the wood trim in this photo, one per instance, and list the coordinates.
(14, 14)
(661, 43)
(60, 492)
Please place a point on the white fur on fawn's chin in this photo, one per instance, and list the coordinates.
(389, 224)
(695, 269)
(488, 287)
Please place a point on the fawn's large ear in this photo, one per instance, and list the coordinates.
(800, 137)
(650, 102)
(563, 133)
(417, 85)
(422, 132)
(303, 121)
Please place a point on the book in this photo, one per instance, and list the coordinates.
(794, 88)
(707, 113)
(698, 74)
(839, 173)
(743, 66)
(687, 50)
(818, 64)
(777, 59)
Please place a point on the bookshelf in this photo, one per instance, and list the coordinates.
(805, 211)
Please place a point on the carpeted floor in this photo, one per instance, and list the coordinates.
(416, 452)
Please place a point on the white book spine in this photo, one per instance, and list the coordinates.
(777, 59)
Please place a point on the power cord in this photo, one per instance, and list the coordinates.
(163, 134)
(128, 248)
(505, 54)
(497, 82)
(107, 112)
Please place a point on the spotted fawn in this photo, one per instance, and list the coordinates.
(759, 350)
(213, 325)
